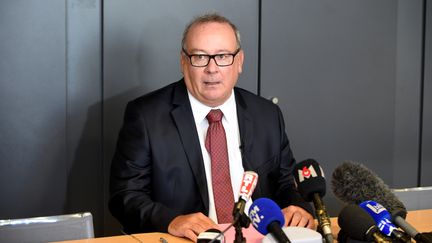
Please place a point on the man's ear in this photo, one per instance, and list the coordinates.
(240, 56)
(182, 62)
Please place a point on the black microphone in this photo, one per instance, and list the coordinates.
(353, 183)
(382, 219)
(311, 184)
(359, 225)
(424, 237)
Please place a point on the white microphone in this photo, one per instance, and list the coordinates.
(247, 187)
(211, 235)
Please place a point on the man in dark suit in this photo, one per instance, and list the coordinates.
(161, 173)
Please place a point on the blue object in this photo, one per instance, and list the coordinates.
(380, 215)
(264, 211)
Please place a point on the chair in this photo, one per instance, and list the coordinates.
(415, 198)
(44, 229)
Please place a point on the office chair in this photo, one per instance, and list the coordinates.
(45, 229)
(415, 198)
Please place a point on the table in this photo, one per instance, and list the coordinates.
(420, 219)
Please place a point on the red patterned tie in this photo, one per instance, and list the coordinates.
(217, 147)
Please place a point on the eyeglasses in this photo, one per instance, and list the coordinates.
(202, 60)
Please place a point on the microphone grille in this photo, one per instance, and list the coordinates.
(264, 211)
(353, 183)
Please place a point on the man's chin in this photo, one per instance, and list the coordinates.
(213, 100)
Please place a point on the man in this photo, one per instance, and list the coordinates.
(161, 176)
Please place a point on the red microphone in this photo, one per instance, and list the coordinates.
(247, 187)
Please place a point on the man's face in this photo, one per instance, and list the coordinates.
(212, 84)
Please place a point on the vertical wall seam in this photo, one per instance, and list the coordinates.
(104, 192)
(67, 152)
(259, 47)
(422, 81)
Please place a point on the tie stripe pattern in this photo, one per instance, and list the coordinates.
(216, 145)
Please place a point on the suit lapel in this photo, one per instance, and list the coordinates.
(246, 128)
(183, 118)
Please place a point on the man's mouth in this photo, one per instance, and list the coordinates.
(211, 83)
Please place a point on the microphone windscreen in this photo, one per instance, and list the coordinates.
(354, 183)
(310, 179)
(356, 223)
(264, 211)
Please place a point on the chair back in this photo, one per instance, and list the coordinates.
(45, 229)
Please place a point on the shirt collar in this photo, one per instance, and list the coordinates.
(200, 110)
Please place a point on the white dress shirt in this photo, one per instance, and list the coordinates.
(230, 123)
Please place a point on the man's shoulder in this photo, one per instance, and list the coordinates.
(159, 96)
(250, 98)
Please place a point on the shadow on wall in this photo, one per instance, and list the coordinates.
(88, 181)
(130, 70)
(85, 179)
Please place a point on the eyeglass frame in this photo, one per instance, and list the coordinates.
(211, 57)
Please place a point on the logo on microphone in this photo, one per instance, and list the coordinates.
(377, 208)
(254, 216)
(386, 227)
(248, 184)
(306, 172)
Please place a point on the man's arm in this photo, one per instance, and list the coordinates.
(296, 210)
(191, 225)
(131, 179)
(132, 189)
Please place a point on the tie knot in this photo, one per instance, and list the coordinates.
(214, 116)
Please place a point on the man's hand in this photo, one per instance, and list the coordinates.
(297, 216)
(191, 225)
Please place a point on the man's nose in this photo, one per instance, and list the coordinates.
(212, 66)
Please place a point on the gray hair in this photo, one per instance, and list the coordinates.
(210, 18)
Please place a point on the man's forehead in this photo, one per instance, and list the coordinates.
(210, 30)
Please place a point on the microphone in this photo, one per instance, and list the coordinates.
(311, 184)
(266, 217)
(354, 183)
(240, 220)
(247, 187)
(359, 225)
(211, 235)
(382, 218)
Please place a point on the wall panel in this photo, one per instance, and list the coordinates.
(32, 108)
(347, 77)
(426, 168)
(142, 53)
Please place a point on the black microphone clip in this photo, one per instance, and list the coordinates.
(242, 221)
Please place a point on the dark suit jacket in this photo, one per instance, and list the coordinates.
(157, 172)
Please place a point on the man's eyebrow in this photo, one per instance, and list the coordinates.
(201, 51)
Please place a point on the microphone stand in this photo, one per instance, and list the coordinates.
(324, 225)
(241, 220)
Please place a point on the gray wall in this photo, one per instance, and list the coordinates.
(348, 78)
(51, 109)
(353, 79)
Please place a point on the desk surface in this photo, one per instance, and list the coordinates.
(420, 219)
